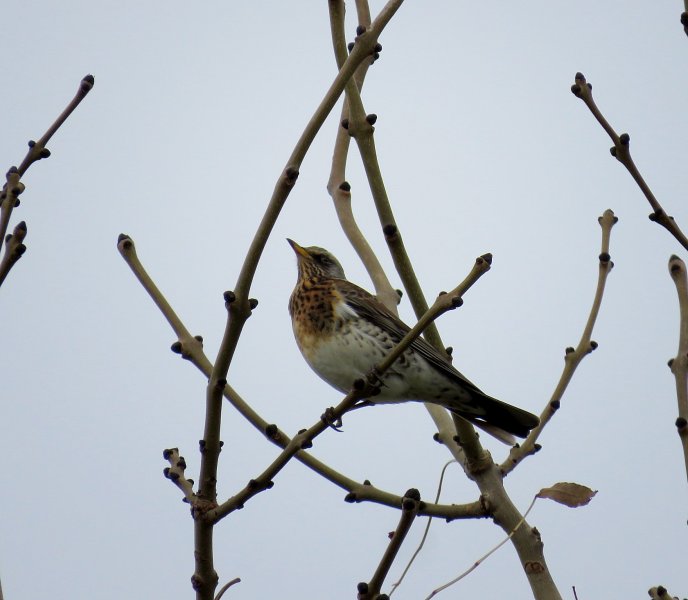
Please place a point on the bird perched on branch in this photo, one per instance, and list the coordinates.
(344, 331)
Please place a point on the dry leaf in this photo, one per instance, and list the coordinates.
(569, 494)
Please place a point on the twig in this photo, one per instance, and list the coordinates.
(410, 505)
(176, 473)
(622, 152)
(337, 186)
(425, 533)
(191, 348)
(14, 250)
(573, 356)
(445, 302)
(482, 559)
(37, 151)
(226, 586)
(679, 364)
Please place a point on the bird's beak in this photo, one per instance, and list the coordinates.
(298, 249)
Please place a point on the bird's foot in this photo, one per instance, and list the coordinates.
(330, 418)
(361, 404)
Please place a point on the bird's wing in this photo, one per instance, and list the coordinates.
(370, 308)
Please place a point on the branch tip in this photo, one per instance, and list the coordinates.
(87, 83)
(125, 243)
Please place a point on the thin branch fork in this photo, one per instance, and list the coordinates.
(622, 152)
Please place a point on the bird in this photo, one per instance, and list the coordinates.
(343, 331)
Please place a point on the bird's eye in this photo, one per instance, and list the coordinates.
(324, 260)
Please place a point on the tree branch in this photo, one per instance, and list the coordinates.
(409, 512)
(622, 152)
(13, 187)
(337, 186)
(573, 356)
(679, 364)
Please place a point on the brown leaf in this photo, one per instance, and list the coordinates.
(569, 494)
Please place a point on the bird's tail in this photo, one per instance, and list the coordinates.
(497, 418)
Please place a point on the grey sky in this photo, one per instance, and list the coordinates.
(483, 148)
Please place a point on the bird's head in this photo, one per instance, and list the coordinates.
(314, 262)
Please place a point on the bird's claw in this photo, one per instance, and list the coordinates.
(330, 419)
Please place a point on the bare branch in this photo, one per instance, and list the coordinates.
(425, 532)
(37, 151)
(679, 364)
(14, 250)
(573, 356)
(622, 152)
(483, 558)
(337, 186)
(410, 505)
(226, 586)
(176, 473)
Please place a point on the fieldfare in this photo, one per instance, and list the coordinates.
(344, 331)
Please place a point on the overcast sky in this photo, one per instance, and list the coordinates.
(483, 148)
